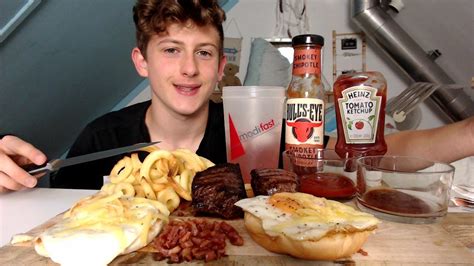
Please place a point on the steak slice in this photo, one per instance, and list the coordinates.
(268, 181)
(216, 189)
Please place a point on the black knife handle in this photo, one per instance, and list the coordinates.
(31, 167)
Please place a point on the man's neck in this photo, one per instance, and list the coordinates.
(176, 130)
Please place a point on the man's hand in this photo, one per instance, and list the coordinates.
(470, 128)
(13, 153)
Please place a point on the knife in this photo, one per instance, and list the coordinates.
(55, 164)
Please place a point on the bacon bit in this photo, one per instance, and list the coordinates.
(232, 234)
(210, 255)
(194, 239)
(186, 253)
(363, 252)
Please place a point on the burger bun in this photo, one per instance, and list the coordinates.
(334, 245)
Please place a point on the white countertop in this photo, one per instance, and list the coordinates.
(24, 210)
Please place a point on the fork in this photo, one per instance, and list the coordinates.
(415, 94)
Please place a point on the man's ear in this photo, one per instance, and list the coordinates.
(222, 64)
(140, 62)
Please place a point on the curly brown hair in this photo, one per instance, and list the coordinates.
(154, 16)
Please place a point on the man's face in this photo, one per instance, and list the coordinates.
(182, 66)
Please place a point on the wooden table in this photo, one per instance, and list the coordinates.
(449, 242)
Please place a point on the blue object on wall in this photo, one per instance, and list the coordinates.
(330, 124)
(227, 4)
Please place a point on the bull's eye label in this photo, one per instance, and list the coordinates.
(360, 110)
(304, 122)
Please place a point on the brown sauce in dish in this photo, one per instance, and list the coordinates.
(396, 201)
(328, 185)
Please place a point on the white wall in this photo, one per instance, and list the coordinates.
(446, 25)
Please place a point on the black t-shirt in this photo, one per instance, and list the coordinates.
(123, 128)
(127, 127)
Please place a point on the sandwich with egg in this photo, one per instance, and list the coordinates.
(100, 227)
(306, 226)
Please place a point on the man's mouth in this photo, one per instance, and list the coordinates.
(187, 89)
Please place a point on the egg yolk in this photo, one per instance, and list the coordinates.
(293, 202)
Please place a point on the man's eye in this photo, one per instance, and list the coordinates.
(171, 50)
(204, 53)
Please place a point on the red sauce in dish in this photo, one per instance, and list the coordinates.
(395, 201)
(327, 185)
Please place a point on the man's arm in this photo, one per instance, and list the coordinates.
(446, 144)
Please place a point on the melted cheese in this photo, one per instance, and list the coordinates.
(301, 216)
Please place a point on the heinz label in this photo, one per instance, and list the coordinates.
(304, 122)
(360, 110)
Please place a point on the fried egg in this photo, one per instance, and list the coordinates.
(101, 227)
(302, 216)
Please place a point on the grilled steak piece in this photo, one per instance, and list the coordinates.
(216, 189)
(267, 181)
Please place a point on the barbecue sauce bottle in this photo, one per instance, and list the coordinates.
(304, 127)
(360, 100)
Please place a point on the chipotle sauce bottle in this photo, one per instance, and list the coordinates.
(360, 100)
(304, 128)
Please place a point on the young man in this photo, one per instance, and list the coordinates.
(179, 49)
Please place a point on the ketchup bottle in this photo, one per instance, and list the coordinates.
(360, 100)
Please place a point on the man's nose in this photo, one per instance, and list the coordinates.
(189, 65)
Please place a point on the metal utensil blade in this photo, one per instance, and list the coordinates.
(54, 165)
